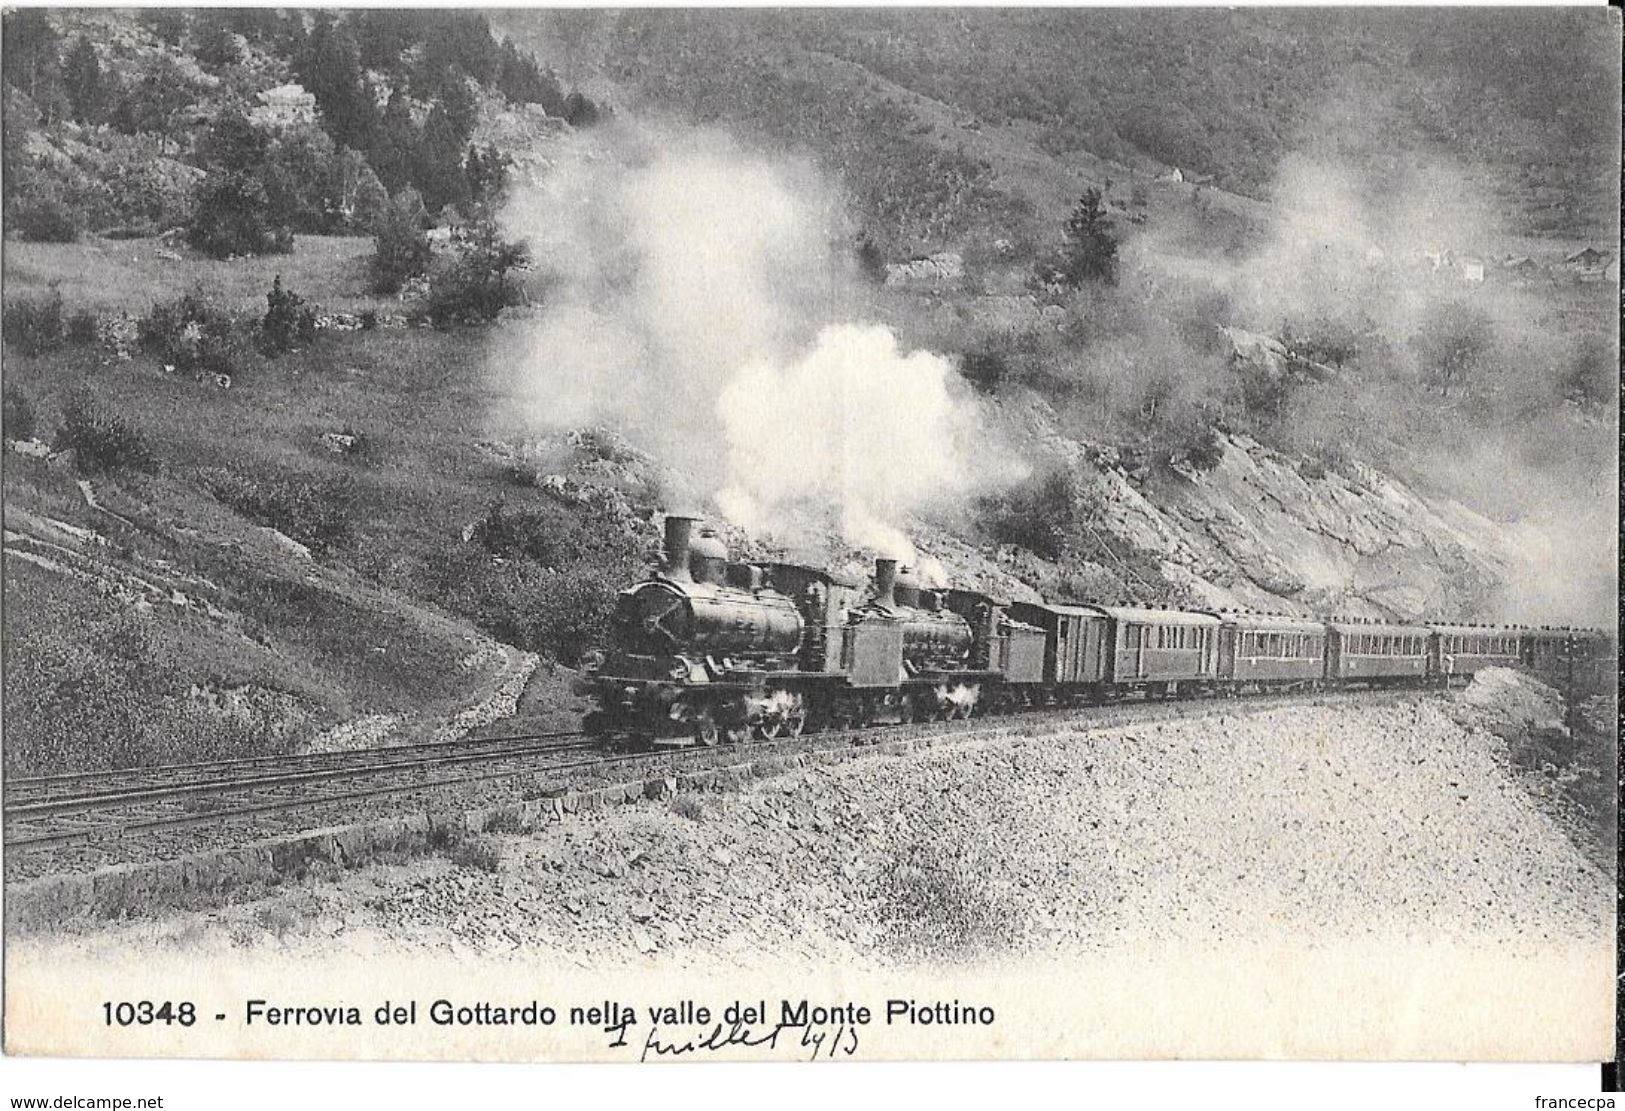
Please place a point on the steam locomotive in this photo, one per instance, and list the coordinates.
(706, 650)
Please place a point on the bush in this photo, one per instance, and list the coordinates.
(560, 611)
(193, 336)
(289, 323)
(986, 369)
(1039, 516)
(44, 220)
(33, 324)
(548, 536)
(401, 249)
(1204, 450)
(16, 414)
(316, 512)
(83, 327)
(232, 217)
(101, 442)
(478, 853)
(475, 287)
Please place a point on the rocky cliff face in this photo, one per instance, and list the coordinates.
(1258, 531)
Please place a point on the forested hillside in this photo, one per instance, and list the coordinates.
(291, 122)
(1227, 94)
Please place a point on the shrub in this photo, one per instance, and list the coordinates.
(478, 853)
(44, 220)
(316, 512)
(1039, 516)
(101, 442)
(289, 322)
(232, 217)
(33, 324)
(192, 335)
(689, 806)
(560, 611)
(475, 287)
(548, 535)
(986, 369)
(16, 414)
(83, 327)
(1204, 450)
(401, 250)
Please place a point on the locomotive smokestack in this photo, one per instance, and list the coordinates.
(678, 531)
(885, 582)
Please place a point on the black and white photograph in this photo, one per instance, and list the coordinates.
(790, 534)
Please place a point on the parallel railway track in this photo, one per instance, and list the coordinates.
(108, 808)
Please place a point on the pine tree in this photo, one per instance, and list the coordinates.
(395, 151)
(82, 77)
(437, 171)
(1091, 248)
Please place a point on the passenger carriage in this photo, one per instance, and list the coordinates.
(1271, 650)
(1160, 651)
(1376, 652)
(1467, 649)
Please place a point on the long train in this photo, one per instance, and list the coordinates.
(706, 650)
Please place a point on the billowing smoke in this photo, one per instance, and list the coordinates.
(702, 299)
(1399, 260)
(853, 423)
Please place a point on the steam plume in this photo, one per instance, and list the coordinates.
(698, 301)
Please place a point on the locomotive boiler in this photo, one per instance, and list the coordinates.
(692, 647)
(690, 610)
(934, 638)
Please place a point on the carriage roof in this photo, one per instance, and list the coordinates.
(1272, 622)
(1381, 628)
(1136, 616)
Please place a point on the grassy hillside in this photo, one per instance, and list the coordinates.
(167, 621)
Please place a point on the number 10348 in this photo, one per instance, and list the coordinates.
(148, 1013)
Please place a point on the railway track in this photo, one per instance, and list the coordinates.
(113, 808)
(66, 790)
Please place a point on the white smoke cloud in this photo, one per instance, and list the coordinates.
(854, 423)
(699, 303)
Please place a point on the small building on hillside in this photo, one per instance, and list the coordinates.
(1588, 262)
(1471, 269)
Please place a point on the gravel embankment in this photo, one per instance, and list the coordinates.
(1315, 823)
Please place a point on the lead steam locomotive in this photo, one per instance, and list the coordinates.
(707, 650)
